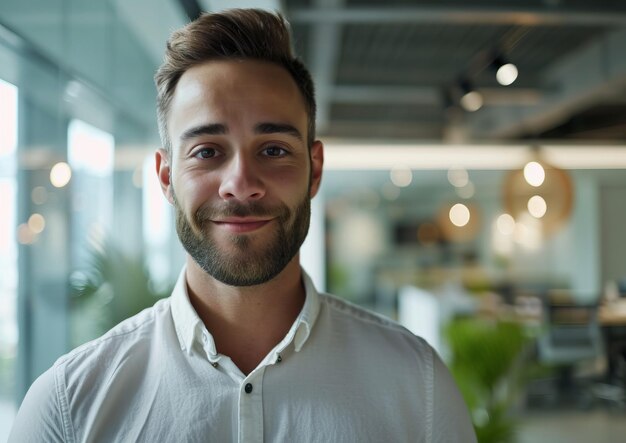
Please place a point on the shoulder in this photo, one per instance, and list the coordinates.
(40, 416)
(361, 317)
(362, 334)
(123, 350)
(129, 332)
(371, 328)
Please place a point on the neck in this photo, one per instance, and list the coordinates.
(247, 322)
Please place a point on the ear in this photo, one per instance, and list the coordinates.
(164, 170)
(317, 164)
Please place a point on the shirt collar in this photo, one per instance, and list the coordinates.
(190, 329)
(305, 321)
(186, 321)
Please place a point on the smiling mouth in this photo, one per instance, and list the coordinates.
(240, 226)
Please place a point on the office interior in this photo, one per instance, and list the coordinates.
(474, 188)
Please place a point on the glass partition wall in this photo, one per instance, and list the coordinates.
(77, 122)
(8, 250)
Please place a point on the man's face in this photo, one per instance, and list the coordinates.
(239, 175)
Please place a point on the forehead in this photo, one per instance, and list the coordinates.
(219, 91)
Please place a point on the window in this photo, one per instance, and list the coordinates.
(90, 156)
(157, 227)
(8, 254)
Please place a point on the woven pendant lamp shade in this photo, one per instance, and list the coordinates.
(556, 191)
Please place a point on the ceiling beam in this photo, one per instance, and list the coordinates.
(386, 94)
(487, 15)
(425, 95)
(325, 46)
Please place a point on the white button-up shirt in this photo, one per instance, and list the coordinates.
(340, 374)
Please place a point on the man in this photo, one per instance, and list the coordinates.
(245, 349)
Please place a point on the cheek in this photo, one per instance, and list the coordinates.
(290, 187)
(293, 196)
(194, 191)
(291, 177)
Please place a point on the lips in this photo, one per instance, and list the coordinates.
(241, 225)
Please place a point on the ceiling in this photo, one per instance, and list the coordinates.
(391, 68)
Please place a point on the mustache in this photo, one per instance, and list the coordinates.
(236, 209)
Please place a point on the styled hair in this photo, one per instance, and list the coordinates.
(234, 34)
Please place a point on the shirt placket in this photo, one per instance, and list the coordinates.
(251, 407)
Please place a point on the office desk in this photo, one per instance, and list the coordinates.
(613, 314)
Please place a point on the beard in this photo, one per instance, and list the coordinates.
(247, 261)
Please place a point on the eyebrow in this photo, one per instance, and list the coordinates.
(210, 129)
(277, 128)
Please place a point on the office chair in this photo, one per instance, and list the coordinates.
(571, 336)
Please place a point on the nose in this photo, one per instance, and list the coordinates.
(241, 180)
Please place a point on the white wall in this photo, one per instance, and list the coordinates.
(613, 232)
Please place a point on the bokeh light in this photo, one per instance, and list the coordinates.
(459, 215)
(537, 206)
(39, 195)
(401, 176)
(505, 224)
(534, 174)
(37, 223)
(507, 74)
(60, 174)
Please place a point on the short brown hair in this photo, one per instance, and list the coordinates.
(233, 34)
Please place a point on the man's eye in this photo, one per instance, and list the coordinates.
(274, 151)
(206, 153)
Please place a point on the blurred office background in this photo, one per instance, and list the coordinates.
(475, 188)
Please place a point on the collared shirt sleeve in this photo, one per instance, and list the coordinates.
(451, 420)
(40, 417)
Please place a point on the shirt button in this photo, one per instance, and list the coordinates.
(248, 388)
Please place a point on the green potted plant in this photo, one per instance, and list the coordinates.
(113, 287)
(487, 360)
